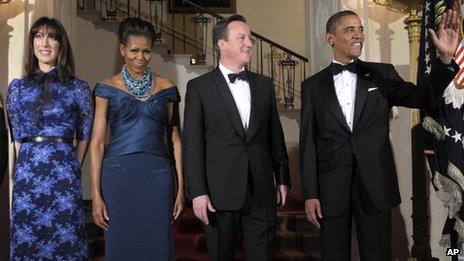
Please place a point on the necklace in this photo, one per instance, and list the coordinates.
(140, 89)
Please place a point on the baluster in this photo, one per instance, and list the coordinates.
(200, 25)
(288, 79)
(304, 71)
(272, 62)
(205, 41)
(128, 8)
(111, 9)
(183, 32)
(215, 62)
(173, 32)
(302, 74)
(161, 6)
(150, 13)
(156, 5)
(261, 56)
(193, 59)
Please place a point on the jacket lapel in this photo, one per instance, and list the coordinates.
(362, 87)
(328, 92)
(229, 103)
(255, 105)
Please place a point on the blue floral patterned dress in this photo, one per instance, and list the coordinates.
(47, 220)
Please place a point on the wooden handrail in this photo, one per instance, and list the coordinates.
(171, 31)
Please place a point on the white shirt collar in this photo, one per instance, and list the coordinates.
(225, 71)
(335, 61)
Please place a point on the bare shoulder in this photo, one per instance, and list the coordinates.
(162, 82)
(114, 81)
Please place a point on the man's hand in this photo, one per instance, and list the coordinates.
(313, 211)
(201, 205)
(282, 192)
(446, 38)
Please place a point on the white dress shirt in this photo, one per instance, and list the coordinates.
(240, 90)
(345, 88)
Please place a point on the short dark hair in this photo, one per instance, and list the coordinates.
(134, 26)
(65, 60)
(220, 29)
(335, 18)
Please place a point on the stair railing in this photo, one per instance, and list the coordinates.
(286, 67)
(191, 33)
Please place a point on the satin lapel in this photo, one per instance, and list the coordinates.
(328, 92)
(362, 87)
(255, 106)
(229, 103)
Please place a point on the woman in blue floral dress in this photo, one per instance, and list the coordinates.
(48, 109)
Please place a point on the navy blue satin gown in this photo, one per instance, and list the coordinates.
(137, 176)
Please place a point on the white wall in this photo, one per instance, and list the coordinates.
(284, 22)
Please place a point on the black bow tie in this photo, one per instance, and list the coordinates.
(338, 68)
(234, 76)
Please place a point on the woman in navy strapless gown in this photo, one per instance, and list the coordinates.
(132, 176)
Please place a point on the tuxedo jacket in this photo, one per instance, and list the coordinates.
(327, 145)
(219, 154)
(3, 144)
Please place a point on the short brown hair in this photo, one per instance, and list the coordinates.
(335, 18)
(220, 30)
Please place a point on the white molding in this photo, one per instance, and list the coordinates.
(320, 53)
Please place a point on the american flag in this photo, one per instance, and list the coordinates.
(446, 123)
(459, 58)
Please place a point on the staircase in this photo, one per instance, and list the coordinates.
(297, 240)
(190, 33)
(172, 57)
(190, 245)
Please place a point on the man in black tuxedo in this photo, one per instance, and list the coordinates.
(346, 161)
(235, 159)
(3, 144)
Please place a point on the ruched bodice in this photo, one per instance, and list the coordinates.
(136, 126)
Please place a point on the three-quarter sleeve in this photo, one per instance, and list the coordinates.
(13, 109)
(84, 111)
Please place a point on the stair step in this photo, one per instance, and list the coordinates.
(182, 59)
(291, 254)
(189, 243)
(192, 257)
(90, 15)
(279, 255)
(310, 243)
(200, 69)
(296, 238)
(188, 223)
(288, 240)
(302, 225)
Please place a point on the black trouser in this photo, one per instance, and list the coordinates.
(373, 227)
(256, 223)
